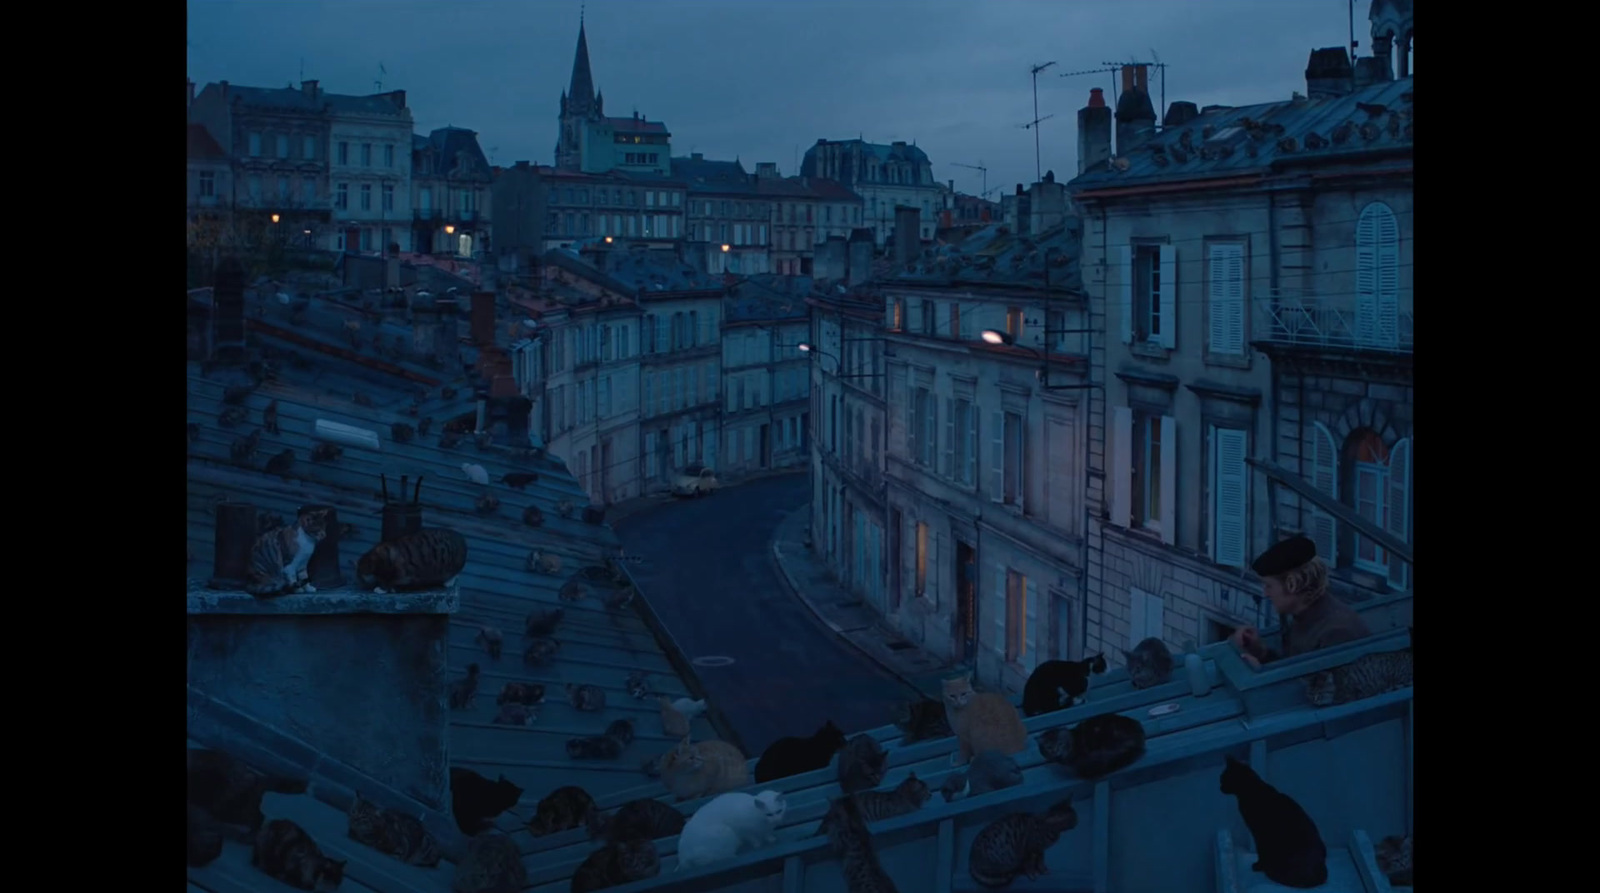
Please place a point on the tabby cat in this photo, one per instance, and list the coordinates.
(794, 755)
(617, 863)
(205, 837)
(982, 721)
(230, 790)
(464, 691)
(606, 746)
(1394, 859)
(701, 769)
(475, 800)
(526, 693)
(285, 852)
(428, 559)
(1367, 676)
(861, 764)
(1149, 663)
(586, 698)
(562, 809)
(878, 806)
(637, 687)
(1289, 850)
(493, 864)
(852, 844)
(920, 720)
(644, 819)
(515, 715)
(279, 558)
(1058, 684)
(540, 651)
(1014, 845)
(392, 833)
(1095, 747)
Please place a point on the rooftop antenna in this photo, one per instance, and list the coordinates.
(383, 73)
(1353, 42)
(302, 69)
(1034, 124)
(976, 167)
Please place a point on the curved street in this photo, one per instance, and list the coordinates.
(708, 571)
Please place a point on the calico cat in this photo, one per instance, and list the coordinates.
(1367, 676)
(392, 833)
(988, 771)
(1394, 859)
(428, 559)
(562, 809)
(673, 723)
(982, 721)
(586, 698)
(730, 822)
(637, 687)
(1058, 684)
(861, 764)
(285, 852)
(793, 755)
(852, 844)
(642, 819)
(544, 563)
(1014, 845)
(1289, 851)
(540, 651)
(920, 720)
(877, 806)
(615, 864)
(279, 558)
(606, 746)
(476, 800)
(1149, 663)
(464, 691)
(542, 622)
(525, 693)
(1095, 747)
(700, 769)
(205, 837)
(493, 864)
(515, 715)
(230, 790)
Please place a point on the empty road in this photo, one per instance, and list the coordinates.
(708, 571)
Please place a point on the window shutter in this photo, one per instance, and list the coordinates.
(1030, 613)
(970, 474)
(1230, 496)
(997, 456)
(948, 463)
(1137, 603)
(1217, 298)
(1397, 511)
(1002, 612)
(1125, 292)
(1322, 528)
(1121, 466)
(933, 569)
(1169, 296)
(1169, 480)
(1367, 276)
(1226, 301)
(930, 431)
(1388, 292)
(911, 428)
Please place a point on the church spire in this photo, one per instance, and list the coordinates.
(581, 92)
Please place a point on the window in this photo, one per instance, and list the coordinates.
(283, 188)
(308, 148)
(961, 442)
(897, 314)
(652, 458)
(1230, 499)
(1377, 278)
(1055, 327)
(388, 156)
(929, 324)
(1380, 493)
(1149, 295)
(344, 153)
(1146, 617)
(1370, 462)
(955, 319)
(366, 196)
(283, 145)
(922, 558)
(366, 155)
(1225, 301)
(388, 197)
(650, 199)
(1014, 322)
(255, 145)
(208, 184)
(1144, 471)
(605, 397)
(308, 188)
(1319, 525)
(677, 199)
(341, 197)
(922, 428)
(1016, 589)
(648, 403)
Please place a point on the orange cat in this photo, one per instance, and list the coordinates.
(703, 769)
(982, 721)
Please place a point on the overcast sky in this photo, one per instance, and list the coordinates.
(761, 80)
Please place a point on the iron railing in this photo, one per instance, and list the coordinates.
(1288, 316)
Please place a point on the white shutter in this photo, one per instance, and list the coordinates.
(970, 475)
(1226, 299)
(1367, 276)
(1001, 612)
(1125, 291)
(911, 426)
(1238, 314)
(1121, 484)
(1322, 528)
(1229, 496)
(1169, 480)
(1388, 296)
(948, 463)
(1169, 296)
(1216, 298)
(1397, 510)
(1137, 603)
(997, 456)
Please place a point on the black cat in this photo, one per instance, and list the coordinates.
(230, 790)
(1095, 747)
(1289, 851)
(476, 800)
(793, 756)
(1058, 684)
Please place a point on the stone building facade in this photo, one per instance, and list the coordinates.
(765, 382)
(591, 142)
(452, 194)
(885, 176)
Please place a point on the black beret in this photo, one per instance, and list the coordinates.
(1284, 556)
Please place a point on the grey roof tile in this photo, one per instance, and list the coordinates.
(996, 255)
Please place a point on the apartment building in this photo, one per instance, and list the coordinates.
(806, 211)
(765, 382)
(369, 170)
(451, 194)
(727, 218)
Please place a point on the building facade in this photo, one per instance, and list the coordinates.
(590, 142)
(1212, 244)
(451, 194)
(727, 219)
(885, 177)
(539, 208)
(369, 170)
(806, 211)
(765, 381)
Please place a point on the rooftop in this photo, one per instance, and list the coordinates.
(714, 177)
(449, 152)
(768, 297)
(299, 99)
(202, 147)
(994, 255)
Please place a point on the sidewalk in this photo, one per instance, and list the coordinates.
(848, 616)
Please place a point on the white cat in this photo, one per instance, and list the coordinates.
(476, 473)
(731, 821)
(689, 708)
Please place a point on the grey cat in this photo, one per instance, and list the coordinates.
(1014, 845)
(988, 771)
(861, 764)
(1149, 663)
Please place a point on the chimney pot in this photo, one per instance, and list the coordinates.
(1097, 98)
(323, 571)
(234, 538)
(483, 318)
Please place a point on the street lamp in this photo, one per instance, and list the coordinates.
(995, 336)
(608, 240)
(449, 229)
(724, 249)
(804, 347)
(274, 218)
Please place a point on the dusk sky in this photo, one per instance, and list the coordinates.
(761, 80)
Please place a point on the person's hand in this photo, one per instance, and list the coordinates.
(1250, 660)
(1246, 639)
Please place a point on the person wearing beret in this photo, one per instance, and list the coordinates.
(1295, 580)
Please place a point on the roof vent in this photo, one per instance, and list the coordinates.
(349, 435)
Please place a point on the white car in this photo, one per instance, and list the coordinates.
(695, 480)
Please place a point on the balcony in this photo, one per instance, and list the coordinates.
(1304, 319)
(422, 215)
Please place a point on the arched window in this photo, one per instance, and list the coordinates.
(1320, 525)
(1377, 322)
(1380, 492)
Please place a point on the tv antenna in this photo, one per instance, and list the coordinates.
(1113, 68)
(976, 167)
(1034, 124)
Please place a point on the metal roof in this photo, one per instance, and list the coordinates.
(768, 297)
(995, 255)
(710, 177)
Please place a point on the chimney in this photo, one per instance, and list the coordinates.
(227, 312)
(1180, 113)
(862, 249)
(235, 537)
(222, 87)
(401, 517)
(1136, 116)
(1329, 74)
(952, 187)
(391, 271)
(697, 156)
(323, 571)
(309, 88)
(399, 97)
(766, 170)
(446, 334)
(516, 412)
(832, 259)
(191, 91)
(483, 318)
(907, 234)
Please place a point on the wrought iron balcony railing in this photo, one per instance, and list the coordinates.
(1304, 318)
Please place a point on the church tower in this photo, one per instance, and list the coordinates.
(579, 104)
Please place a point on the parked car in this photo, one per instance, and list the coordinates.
(695, 480)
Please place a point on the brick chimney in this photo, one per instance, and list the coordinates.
(1094, 131)
(309, 88)
(1180, 113)
(907, 234)
(483, 318)
(862, 249)
(1329, 74)
(1136, 115)
(227, 312)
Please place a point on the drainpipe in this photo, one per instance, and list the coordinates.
(1088, 471)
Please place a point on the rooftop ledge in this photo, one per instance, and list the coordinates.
(330, 601)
